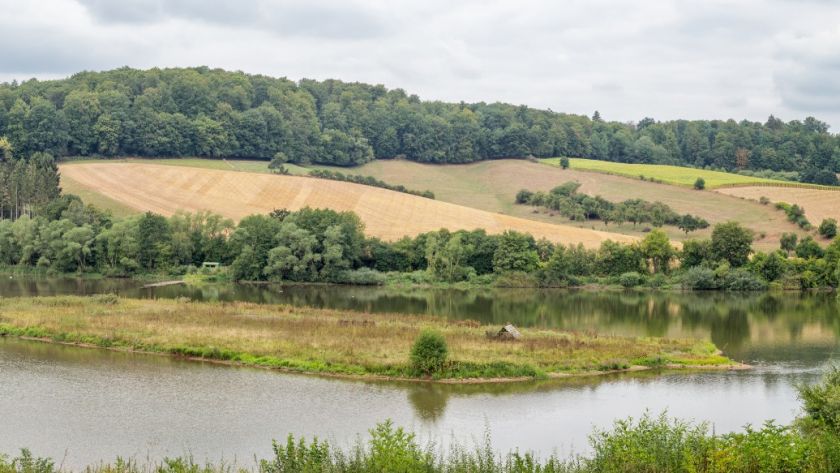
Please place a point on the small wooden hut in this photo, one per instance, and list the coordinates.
(508, 332)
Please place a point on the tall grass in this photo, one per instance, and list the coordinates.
(651, 444)
(328, 341)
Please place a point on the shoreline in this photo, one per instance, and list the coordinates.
(671, 367)
(151, 281)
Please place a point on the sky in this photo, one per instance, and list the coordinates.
(666, 59)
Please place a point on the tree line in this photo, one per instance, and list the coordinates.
(27, 184)
(315, 245)
(213, 113)
(580, 207)
(368, 181)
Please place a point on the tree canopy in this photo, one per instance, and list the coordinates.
(211, 113)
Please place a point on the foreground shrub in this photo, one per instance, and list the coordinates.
(26, 463)
(428, 355)
(821, 402)
(772, 448)
(651, 444)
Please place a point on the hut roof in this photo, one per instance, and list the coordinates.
(513, 331)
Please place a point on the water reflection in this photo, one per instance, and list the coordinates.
(98, 404)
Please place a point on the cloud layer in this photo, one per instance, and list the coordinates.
(661, 58)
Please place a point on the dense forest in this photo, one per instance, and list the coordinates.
(214, 113)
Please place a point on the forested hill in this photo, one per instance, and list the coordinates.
(204, 112)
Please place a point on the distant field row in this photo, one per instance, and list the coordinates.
(676, 175)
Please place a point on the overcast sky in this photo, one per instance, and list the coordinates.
(628, 59)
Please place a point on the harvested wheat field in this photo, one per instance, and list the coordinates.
(819, 204)
(386, 214)
(492, 186)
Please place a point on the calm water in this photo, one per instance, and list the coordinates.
(88, 405)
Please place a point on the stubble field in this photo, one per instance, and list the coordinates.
(386, 214)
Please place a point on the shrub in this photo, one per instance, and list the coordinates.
(630, 279)
(763, 200)
(651, 444)
(524, 196)
(393, 449)
(743, 280)
(26, 463)
(699, 278)
(428, 355)
(564, 162)
(795, 214)
(821, 402)
(700, 184)
(809, 248)
(828, 228)
(516, 279)
(788, 242)
(614, 365)
(658, 281)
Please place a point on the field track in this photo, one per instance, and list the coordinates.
(819, 204)
(386, 214)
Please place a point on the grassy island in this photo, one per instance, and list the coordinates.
(334, 342)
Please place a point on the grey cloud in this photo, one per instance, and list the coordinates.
(317, 18)
(808, 72)
(43, 50)
(608, 87)
(810, 88)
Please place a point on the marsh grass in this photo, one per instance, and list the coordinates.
(330, 341)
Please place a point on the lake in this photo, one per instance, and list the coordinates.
(87, 405)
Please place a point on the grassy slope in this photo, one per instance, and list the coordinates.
(327, 341)
(492, 185)
(676, 175)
